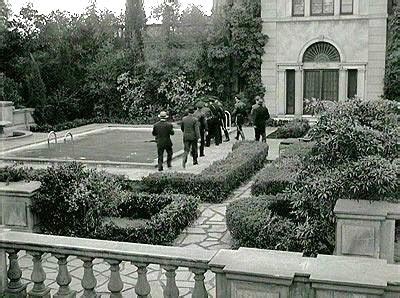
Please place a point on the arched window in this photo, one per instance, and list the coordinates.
(321, 52)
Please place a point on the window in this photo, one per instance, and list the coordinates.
(321, 52)
(352, 83)
(298, 8)
(346, 7)
(290, 91)
(322, 7)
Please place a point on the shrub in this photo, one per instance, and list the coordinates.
(293, 129)
(253, 223)
(271, 122)
(299, 150)
(166, 216)
(72, 200)
(354, 129)
(16, 174)
(216, 181)
(272, 180)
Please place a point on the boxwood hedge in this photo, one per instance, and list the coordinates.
(215, 182)
(150, 218)
(261, 222)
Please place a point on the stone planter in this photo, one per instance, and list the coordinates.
(15, 205)
(366, 229)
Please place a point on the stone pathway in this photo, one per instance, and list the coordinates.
(209, 231)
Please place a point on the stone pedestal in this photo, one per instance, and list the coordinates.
(6, 111)
(366, 229)
(15, 205)
(255, 273)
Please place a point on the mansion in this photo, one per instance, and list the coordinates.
(322, 49)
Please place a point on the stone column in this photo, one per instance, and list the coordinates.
(307, 8)
(361, 83)
(299, 91)
(336, 7)
(366, 229)
(342, 84)
(281, 100)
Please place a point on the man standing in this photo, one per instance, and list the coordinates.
(163, 131)
(259, 115)
(222, 120)
(201, 117)
(239, 114)
(215, 122)
(191, 134)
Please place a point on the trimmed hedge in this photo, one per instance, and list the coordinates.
(165, 217)
(261, 222)
(293, 129)
(272, 180)
(279, 175)
(216, 182)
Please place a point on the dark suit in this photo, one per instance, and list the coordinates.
(200, 115)
(191, 134)
(260, 115)
(163, 130)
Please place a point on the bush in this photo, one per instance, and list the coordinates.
(271, 122)
(215, 182)
(253, 223)
(299, 150)
(72, 200)
(272, 180)
(293, 129)
(166, 216)
(16, 174)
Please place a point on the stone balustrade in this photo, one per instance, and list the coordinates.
(239, 273)
(367, 229)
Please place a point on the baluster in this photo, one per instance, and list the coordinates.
(14, 288)
(89, 281)
(63, 278)
(38, 277)
(115, 285)
(199, 290)
(171, 290)
(142, 288)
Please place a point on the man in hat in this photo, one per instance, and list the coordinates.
(163, 131)
(191, 134)
(214, 124)
(260, 115)
(201, 117)
(222, 120)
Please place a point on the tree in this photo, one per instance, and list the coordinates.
(135, 21)
(235, 56)
(35, 85)
(392, 75)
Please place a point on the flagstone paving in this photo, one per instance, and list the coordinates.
(209, 232)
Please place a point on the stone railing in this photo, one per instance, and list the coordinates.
(367, 229)
(241, 273)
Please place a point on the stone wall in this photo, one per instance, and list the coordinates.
(19, 118)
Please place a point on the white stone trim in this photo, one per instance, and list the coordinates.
(320, 39)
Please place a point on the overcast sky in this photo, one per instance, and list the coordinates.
(45, 6)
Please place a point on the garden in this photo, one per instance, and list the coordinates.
(354, 154)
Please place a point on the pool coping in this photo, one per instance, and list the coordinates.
(92, 129)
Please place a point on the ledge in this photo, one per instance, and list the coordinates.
(19, 188)
(378, 210)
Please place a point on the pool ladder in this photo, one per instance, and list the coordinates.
(52, 133)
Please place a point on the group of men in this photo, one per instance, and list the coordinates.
(204, 123)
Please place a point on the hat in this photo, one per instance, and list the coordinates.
(199, 104)
(163, 115)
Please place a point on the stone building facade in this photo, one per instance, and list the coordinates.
(325, 49)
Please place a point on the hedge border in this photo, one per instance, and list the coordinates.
(162, 228)
(218, 180)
